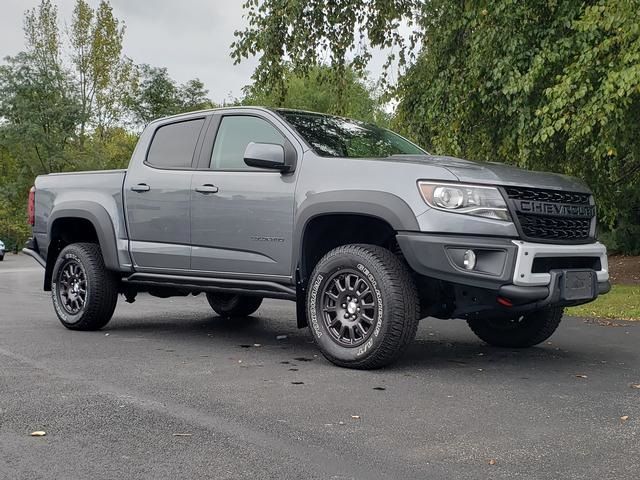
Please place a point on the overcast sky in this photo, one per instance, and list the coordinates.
(189, 37)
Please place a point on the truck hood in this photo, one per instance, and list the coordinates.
(492, 173)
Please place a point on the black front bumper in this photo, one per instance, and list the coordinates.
(490, 285)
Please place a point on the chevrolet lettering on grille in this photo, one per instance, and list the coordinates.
(555, 209)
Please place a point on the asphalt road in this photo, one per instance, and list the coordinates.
(255, 406)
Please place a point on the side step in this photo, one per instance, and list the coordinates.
(208, 284)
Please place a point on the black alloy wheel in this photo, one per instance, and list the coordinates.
(72, 291)
(349, 308)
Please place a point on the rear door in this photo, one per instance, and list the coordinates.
(241, 217)
(157, 196)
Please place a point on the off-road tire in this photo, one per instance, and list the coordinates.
(101, 288)
(232, 305)
(394, 295)
(523, 331)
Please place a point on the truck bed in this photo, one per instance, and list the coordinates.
(53, 191)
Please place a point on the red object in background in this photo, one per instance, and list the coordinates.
(31, 207)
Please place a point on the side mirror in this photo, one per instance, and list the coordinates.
(266, 155)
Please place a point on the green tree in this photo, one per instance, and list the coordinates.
(158, 95)
(103, 75)
(301, 34)
(309, 92)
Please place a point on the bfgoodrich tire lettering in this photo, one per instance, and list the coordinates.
(80, 269)
(382, 290)
(520, 332)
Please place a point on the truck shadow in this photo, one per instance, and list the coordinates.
(452, 349)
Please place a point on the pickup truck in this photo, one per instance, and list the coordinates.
(364, 230)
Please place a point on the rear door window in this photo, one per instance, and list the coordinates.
(173, 145)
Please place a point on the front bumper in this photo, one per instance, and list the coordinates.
(525, 274)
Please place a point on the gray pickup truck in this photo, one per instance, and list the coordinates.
(364, 230)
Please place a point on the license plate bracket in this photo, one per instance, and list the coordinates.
(579, 285)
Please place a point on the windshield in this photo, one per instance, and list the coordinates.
(341, 137)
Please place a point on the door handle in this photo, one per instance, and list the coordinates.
(141, 187)
(207, 188)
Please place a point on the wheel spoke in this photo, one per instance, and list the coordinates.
(332, 296)
(343, 327)
(352, 334)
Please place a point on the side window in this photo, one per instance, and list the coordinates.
(234, 134)
(173, 144)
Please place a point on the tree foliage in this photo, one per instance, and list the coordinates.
(158, 95)
(301, 34)
(308, 92)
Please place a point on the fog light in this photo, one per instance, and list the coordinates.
(469, 260)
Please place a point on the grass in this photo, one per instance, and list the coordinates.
(621, 303)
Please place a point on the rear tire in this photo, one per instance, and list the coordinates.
(232, 305)
(362, 306)
(523, 331)
(83, 291)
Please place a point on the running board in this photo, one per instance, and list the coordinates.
(208, 284)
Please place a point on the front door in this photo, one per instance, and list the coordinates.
(241, 217)
(157, 197)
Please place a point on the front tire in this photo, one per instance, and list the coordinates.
(83, 291)
(523, 331)
(362, 306)
(229, 305)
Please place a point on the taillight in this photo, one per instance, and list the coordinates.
(31, 207)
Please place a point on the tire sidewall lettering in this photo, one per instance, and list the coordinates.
(313, 305)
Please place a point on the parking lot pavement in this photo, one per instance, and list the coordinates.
(250, 405)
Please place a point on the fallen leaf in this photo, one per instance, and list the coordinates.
(636, 386)
(355, 417)
(340, 423)
(38, 433)
(492, 461)
(581, 376)
(624, 418)
(182, 434)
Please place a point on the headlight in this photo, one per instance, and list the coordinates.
(475, 200)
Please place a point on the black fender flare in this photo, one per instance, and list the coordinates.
(98, 216)
(381, 205)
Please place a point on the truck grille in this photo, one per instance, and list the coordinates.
(552, 216)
